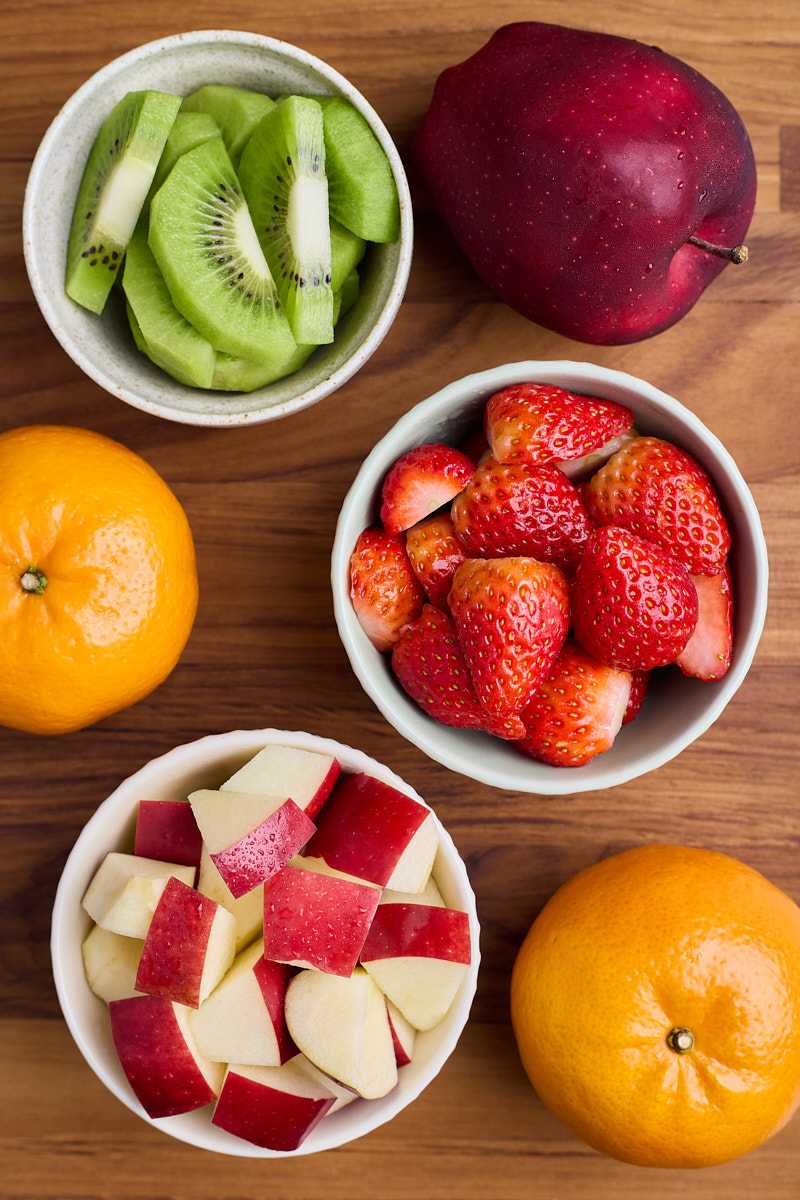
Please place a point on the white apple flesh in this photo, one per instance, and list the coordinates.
(110, 962)
(125, 890)
(341, 1024)
(305, 775)
(247, 910)
(159, 1056)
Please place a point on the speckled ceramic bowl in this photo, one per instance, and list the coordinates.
(207, 763)
(103, 346)
(677, 710)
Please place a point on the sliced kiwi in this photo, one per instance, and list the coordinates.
(176, 344)
(349, 292)
(142, 345)
(189, 130)
(282, 171)
(242, 375)
(347, 250)
(236, 110)
(115, 183)
(203, 240)
(362, 189)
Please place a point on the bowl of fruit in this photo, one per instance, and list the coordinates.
(217, 228)
(550, 577)
(265, 943)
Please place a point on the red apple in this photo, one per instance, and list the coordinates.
(596, 184)
(159, 1057)
(375, 832)
(189, 946)
(316, 919)
(274, 1107)
(125, 889)
(305, 775)
(167, 830)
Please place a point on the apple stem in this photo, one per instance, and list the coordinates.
(33, 581)
(734, 254)
(680, 1040)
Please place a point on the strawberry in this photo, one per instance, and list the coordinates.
(539, 423)
(429, 664)
(512, 617)
(422, 480)
(577, 711)
(640, 682)
(634, 606)
(707, 654)
(383, 587)
(516, 509)
(434, 552)
(660, 492)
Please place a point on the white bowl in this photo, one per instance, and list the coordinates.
(207, 763)
(678, 709)
(103, 346)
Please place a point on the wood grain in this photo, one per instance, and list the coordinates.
(264, 651)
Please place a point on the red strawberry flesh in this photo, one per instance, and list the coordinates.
(707, 654)
(420, 481)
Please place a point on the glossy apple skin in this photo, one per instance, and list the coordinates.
(266, 1116)
(174, 950)
(418, 930)
(166, 830)
(571, 167)
(316, 919)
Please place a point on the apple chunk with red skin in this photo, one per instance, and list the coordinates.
(249, 836)
(189, 946)
(418, 955)
(605, 167)
(306, 775)
(375, 832)
(242, 1020)
(167, 830)
(125, 889)
(316, 919)
(341, 1024)
(159, 1056)
(273, 1107)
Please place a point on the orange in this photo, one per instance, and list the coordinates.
(98, 582)
(656, 1006)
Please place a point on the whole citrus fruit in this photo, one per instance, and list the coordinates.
(656, 1006)
(98, 582)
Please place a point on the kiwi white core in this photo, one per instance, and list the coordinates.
(307, 220)
(123, 197)
(247, 240)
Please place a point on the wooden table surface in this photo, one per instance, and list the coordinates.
(263, 504)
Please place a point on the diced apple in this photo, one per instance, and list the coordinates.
(403, 1035)
(189, 946)
(344, 1095)
(166, 830)
(242, 1020)
(249, 836)
(430, 894)
(418, 955)
(125, 890)
(371, 830)
(313, 919)
(248, 910)
(273, 1107)
(110, 962)
(159, 1056)
(305, 775)
(341, 1024)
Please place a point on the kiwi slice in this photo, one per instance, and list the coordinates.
(362, 189)
(142, 345)
(203, 240)
(113, 189)
(347, 250)
(236, 111)
(242, 375)
(349, 292)
(189, 130)
(282, 171)
(176, 344)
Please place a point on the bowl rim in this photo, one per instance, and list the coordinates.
(119, 807)
(421, 730)
(34, 266)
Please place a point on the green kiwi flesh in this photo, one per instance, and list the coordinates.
(282, 172)
(362, 189)
(347, 251)
(177, 345)
(236, 111)
(112, 192)
(189, 130)
(142, 345)
(203, 240)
